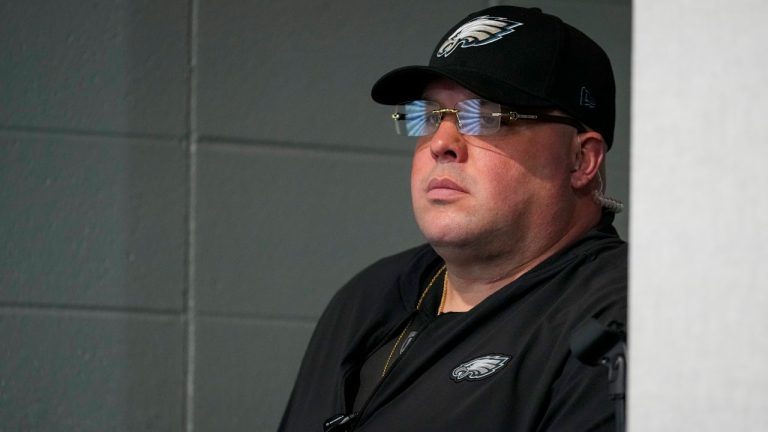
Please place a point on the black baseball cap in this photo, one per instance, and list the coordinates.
(520, 57)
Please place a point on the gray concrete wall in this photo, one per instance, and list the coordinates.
(186, 183)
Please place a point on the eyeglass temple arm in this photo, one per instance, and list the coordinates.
(513, 115)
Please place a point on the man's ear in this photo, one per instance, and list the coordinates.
(588, 154)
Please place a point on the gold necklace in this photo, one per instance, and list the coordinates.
(418, 306)
(442, 298)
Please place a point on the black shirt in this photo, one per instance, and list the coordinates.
(505, 365)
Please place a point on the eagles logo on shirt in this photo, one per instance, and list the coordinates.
(479, 368)
(479, 31)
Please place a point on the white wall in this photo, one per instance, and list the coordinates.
(699, 216)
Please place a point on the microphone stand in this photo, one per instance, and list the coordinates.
(616, 362)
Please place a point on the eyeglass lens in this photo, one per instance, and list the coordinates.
(422, 117)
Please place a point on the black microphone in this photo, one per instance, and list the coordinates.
(596, 344)
(591, 341)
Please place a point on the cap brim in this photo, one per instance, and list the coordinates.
(407, 83)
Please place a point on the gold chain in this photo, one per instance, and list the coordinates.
(418, 306)
(442, 298)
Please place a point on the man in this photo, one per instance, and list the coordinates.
(513, 116)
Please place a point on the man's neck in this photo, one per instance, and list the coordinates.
(474, 277)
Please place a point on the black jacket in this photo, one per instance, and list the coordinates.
(515, 342)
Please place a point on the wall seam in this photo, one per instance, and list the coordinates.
(257, 319)
(310, 148)
(10, 131)
(190, 301)
(87, 310)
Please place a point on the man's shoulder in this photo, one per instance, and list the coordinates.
(378, 296)
(595, 284)
(387, 272)
(383, 282)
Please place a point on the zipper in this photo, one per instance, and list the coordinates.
(356, 416)
(342, 422)
(347, 423)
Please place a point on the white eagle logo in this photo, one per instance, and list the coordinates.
(479, 368)
(480, 31)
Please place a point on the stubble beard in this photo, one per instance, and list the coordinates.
(465, 237)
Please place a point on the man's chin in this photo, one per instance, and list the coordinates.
(448, 239)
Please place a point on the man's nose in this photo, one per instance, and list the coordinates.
(448, 144)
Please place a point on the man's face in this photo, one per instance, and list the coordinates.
(490, 193)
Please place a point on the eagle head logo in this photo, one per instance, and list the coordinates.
(479, 31)
(479, 368)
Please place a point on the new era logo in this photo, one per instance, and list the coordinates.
(586, 99)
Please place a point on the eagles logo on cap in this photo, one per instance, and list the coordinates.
(480, 31)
